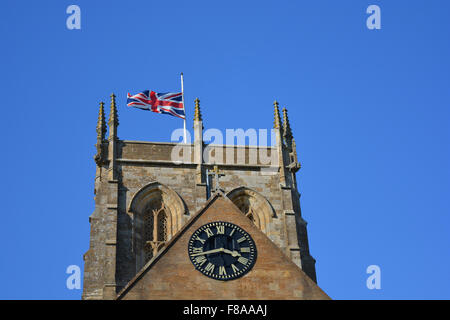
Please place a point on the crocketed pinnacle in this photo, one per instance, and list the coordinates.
(277, 119)
(197, 113)
(101, 124)
(113, 117)
(287, 132)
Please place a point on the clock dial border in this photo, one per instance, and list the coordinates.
(233, 230)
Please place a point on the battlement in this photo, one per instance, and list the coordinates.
(167, 153)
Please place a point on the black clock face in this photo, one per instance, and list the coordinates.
(222, 250)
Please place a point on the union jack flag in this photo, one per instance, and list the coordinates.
(165, 103)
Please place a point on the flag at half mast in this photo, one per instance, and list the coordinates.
(164, 103)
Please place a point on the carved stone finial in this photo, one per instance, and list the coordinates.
(101, 131)
(216, 174)
(101, 123)
(197, 113)
(113, 117)
(277, 119)
(287, 132)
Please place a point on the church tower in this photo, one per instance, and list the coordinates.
(148, 206)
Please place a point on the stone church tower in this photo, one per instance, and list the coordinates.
(147, 206)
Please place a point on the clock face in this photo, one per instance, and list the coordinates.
(222, 250)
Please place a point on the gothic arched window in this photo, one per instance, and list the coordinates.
(254, 206)
(158, 213)
(155, 231)
(148, 234)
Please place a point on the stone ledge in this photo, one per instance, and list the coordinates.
(191, 144)
(159, 162)
(240, 146)
(157, 143)
(174, 164)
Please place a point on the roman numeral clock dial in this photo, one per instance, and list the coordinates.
(222, 250)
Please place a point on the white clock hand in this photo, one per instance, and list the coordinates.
(207, 252)
(233, 253)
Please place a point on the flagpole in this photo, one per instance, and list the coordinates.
(184, 107)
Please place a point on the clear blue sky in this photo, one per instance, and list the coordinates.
(370, 111)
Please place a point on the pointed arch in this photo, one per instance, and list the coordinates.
(157, 213)
(255, 206)
(157, 192)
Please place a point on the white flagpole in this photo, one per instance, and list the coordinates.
(184, 107)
